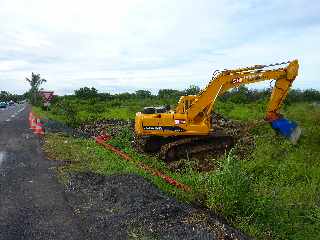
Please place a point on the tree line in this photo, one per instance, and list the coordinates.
(6, 97)
(241, 94)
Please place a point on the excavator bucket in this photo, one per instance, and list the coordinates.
(287, 128)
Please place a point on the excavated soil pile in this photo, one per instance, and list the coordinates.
(207, 161)
(129, 207)
(244, 141)
(58, 127)
(111, 126)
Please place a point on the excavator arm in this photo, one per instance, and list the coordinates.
(228, 79)
(202, 106)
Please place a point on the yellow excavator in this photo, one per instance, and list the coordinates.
(189, 127)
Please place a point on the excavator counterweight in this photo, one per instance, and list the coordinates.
(189, 126)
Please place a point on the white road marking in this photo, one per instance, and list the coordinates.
(2, 155)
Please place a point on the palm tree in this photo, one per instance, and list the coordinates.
(35, 83)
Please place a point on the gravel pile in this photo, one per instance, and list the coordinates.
(129, 207)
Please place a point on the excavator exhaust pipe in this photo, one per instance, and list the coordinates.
(287, 128)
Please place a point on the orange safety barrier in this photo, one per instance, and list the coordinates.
(35, 124)
(102, 141)
(30, 116)
(39, 128)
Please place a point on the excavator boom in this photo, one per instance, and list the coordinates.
(228, 79)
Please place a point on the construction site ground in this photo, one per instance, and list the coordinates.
(37, 203)
(107, 205)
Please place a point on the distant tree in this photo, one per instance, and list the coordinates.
(35, 82)
(239, 94)
(86, 93)
(169, 93)
(143, 93)
(124, 96)
(192, 90)
(4, 96)
(294, 95)
(311, 95)
(105, 96)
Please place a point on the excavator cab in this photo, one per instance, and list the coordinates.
(153, 110)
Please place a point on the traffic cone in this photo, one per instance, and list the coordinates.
(33, 124)
(30, 116)
(39, 128)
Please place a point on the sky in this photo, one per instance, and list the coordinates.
(126, 45)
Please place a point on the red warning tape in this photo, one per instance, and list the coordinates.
(102, 141)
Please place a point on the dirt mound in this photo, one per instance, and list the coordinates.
(207, 161)
(58, 127)
(244, 141)
(111, 126)
(128, 206)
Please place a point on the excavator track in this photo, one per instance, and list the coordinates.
(187, 147)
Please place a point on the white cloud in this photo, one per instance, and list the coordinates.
(133, 44)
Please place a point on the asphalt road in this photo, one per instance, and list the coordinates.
(32, 202)
(9, 113)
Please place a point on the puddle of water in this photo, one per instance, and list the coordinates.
(2, 156)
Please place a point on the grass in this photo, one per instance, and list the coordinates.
(38, 111)
(88, 156)
(76, 111)
(271, 194)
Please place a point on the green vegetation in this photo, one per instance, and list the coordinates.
(272, 193)
(6, 97)
(86, 155)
